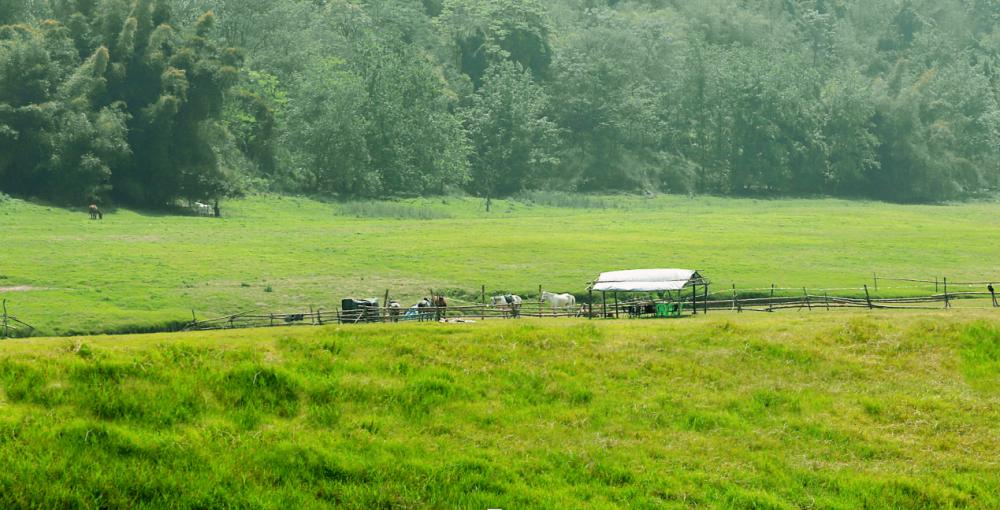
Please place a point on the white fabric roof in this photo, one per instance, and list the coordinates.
(645, 280)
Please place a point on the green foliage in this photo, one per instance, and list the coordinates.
(514, 143)
(126, 115)
(885, 99)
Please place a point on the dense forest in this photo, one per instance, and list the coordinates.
(147, 102)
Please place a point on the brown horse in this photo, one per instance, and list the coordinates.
(441, 306)
(95, 212)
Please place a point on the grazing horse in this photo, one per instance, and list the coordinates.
(559, 300)
(95, 212)
(394, 310)
(510, 302)
(203, 209)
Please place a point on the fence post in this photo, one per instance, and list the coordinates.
(734, 296)
(868, 298)
(705, 286)
(826, 299)
(590, 304)
(806, 294)
(947, 301)
(5, 327)
(875, 278)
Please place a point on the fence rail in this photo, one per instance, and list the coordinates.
(622, 309)
(11, 326)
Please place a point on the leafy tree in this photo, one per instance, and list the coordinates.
(328, 129)
(512, 139)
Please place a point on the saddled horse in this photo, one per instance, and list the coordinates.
(510, 302)
(559, 300)
(95, 212)
(437, 304)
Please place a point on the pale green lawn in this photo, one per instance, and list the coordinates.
(135, 270)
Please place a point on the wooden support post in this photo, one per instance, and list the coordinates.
(6, 327)
(947, 301)
(319, 316)
(937, 288)
(826, 299)
(734, 297)
(616, 306)
(385, 307)
(590, 304)
(604, 304)
(875, 279)
(806, 294)
(706, 297)
(868, 298)
(694, 300)
(484, 295)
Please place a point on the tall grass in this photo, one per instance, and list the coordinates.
(392, 210)
(824, 411)
(566, 200)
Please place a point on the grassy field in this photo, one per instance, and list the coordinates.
(136, 270)
(792, 411)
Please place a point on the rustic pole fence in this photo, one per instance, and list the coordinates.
(947, 301)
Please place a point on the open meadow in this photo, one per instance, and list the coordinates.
(139, 271)
(819, 410)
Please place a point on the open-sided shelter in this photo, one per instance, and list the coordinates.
(652, 280)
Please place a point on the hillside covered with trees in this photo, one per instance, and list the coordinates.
(146, 102)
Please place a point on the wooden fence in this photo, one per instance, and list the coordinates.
(11, 326)
(384, 315)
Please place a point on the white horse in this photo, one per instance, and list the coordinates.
(559, 300)
(511, 302)
(202, 209)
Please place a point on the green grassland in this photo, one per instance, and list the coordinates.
(816, 410)
(136, 270)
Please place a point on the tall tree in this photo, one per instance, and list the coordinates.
(513, 141)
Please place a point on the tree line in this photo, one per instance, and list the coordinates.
(148, 102)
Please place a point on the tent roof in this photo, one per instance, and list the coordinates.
(646, 280)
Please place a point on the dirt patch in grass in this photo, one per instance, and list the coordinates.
(20, 288)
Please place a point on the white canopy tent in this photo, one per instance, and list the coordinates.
(650, 280)
(647, 280)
